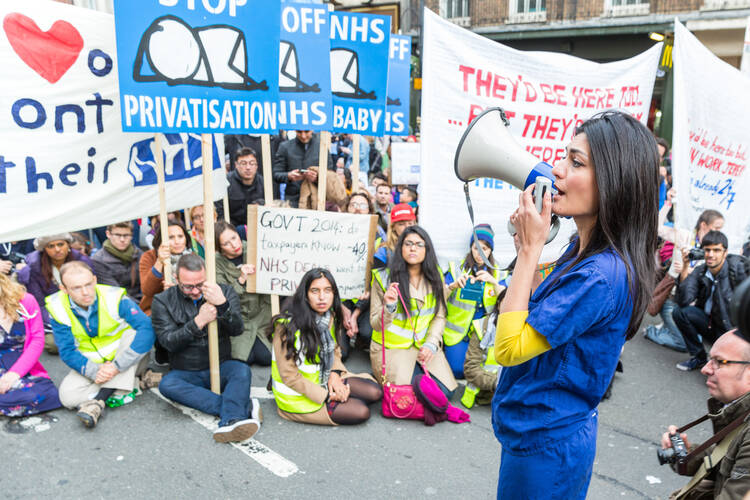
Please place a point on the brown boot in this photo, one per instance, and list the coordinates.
(49, 343)
(150, 379)
(90, 411)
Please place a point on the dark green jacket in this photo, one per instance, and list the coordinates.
(256, 308)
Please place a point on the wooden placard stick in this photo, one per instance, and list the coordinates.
(371, 249)
(324, 142)
(265, 147)
(187, 218)
(225, 205)
(355, 163)
(210, 251)
(251, 256)
(163, 220)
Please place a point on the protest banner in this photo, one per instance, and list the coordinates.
(711, 138)
(304, 70)
(65, 164)
(545, 95)
(405, 162)
(188, 66)
(399, 78)
(359, 72)
(285, 243)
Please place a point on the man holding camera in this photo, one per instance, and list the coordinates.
(721, 471)
(703, 298)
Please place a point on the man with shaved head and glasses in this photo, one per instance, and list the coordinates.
(181, 315)
(728, 379)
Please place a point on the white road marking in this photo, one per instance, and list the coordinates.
(260, 393)
(252, 448)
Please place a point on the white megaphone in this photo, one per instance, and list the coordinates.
(487, 149)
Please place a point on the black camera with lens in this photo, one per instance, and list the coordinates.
(674, 455)
(697, 254)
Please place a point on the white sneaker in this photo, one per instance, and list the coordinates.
(256, 413)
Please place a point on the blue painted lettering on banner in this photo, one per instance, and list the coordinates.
(182, 159)
(721, 188)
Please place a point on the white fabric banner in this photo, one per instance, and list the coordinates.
(65, 163)
(711, 138)
(545, 95)
(405, 162)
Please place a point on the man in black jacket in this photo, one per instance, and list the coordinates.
(703, 298)
(292, 160)
(180, 316)
(245, 186)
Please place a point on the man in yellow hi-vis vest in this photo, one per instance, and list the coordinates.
(102, 336)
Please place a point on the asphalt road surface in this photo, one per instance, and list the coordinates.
(153, 449)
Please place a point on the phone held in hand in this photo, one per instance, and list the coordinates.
(472, 291)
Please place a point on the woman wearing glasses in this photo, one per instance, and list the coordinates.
(196, 232)
(252, 346)
(412, 339)
(560, 347)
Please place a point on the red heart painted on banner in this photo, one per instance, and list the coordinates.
(49, 53)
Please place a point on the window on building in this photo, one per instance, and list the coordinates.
(626, 7)
(456, 11)
(528, 11)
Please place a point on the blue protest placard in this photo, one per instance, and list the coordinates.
(399, 78)
(359, 71)
(198, 66)
(304, 71)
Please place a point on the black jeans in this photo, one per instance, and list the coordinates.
(694, 323)
(259, 354)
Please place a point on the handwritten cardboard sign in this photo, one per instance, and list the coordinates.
(285, 243)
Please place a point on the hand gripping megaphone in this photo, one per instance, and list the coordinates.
(488, 150)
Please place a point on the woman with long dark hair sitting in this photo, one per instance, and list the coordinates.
(252, 346)
(412, 339)
(310, 382)
(560, 348)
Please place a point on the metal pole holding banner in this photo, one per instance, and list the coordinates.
(163, 220)
(355, 163)
(325, 141)
(210, 252)
(265, 146)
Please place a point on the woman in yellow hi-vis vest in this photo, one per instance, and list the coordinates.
(473, 294)
(414, 340)
(310, 382)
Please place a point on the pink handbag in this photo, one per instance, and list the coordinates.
(399, 401)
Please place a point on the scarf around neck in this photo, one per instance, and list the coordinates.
(125, 256)
(327, 346)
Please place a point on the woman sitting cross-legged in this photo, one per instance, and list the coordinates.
(310, 382)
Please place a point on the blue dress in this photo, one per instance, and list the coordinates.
(31, 394)
(544, 410)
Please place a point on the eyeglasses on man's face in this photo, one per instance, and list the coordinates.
(187, 287)
(121, 236)
(718, 363)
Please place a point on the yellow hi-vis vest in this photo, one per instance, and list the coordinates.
(103, 347)
(478, 327)
(404, 333)
(288, 399)
(460, 313)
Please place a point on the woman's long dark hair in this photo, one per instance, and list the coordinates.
(302, 317)
(219, 229)
(156, 243)
(626, 170)
(46, 265)
(399, 269)
(469, 262)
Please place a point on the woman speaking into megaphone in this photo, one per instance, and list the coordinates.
(561, 346)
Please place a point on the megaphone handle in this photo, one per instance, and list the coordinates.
(473, 228)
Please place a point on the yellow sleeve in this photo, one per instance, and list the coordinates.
(516, 341)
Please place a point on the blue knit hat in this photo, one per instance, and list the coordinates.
(485, 233)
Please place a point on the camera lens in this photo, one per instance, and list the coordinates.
(665, 456)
